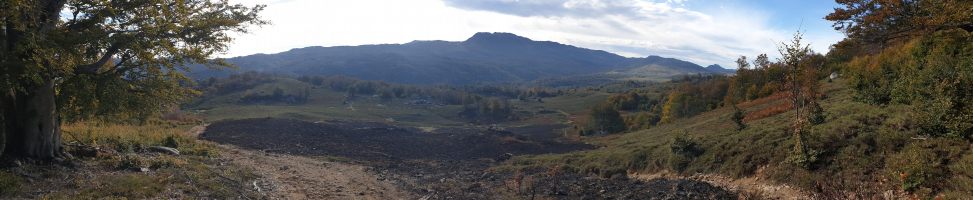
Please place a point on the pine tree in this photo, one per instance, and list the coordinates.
(738, 117)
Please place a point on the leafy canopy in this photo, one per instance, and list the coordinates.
(115, 57)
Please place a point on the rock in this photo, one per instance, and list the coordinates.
(505, 157)
(165, 150)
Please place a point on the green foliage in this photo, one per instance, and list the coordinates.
(123, 60)
(683, 151)
(761, 80)
(604, 119)
(641, 120)
(816, 115)
(632, 101)
(171, 141)
(860, 143)
(921, 165)
(737, 118)
(802, 156)
(693, 97)
(489, 110)
(933, 74)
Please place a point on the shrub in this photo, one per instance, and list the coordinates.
(683, 151)
(605, 119)
(737, 118)
(921, 166)
(129, 162)
(816, 114)
(170, 141)
(932, 73)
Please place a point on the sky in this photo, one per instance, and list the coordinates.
(701, 31)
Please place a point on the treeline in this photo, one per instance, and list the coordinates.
(482, 104)
(690, 95)
(687, 96)
(248, 81)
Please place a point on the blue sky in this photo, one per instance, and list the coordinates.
(704, 32)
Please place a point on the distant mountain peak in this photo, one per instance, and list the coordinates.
(486, 57)
(716, 68)
(497, 37)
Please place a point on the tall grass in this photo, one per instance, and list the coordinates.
(132, 138)
(115, 163)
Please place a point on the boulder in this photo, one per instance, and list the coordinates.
(165, 150)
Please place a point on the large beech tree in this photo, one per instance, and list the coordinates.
(81, 58)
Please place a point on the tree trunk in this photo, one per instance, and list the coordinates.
(31, 123)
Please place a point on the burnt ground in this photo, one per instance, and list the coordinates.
(449, 163)
(376, 141)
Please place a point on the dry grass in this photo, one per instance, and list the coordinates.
(112, 161)
(768, 111)
(129, 138)
(763, 101)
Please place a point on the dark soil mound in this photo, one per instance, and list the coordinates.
(376, 141)
(450, 163)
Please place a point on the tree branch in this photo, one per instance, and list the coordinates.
(93, 67)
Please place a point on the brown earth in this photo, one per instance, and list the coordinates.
(359, 160)
(298, 177)
(377, 141)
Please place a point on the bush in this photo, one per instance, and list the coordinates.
(170, 141)
(816, 114)
(129, 162)
(737, 118)
(605, 119)
(921, 166)
(933, 74)
(683, 151)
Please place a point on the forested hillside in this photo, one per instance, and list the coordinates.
(886, 112)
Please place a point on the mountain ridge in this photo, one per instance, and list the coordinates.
(482, 58)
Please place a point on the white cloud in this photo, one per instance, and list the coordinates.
(627, 27)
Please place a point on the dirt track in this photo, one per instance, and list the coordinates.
(297, 177)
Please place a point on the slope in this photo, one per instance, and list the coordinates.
(865, 151)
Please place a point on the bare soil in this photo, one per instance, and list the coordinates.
(376, 141)
(298, 177)
(364, 160)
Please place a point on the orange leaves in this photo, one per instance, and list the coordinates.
(769, 111)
